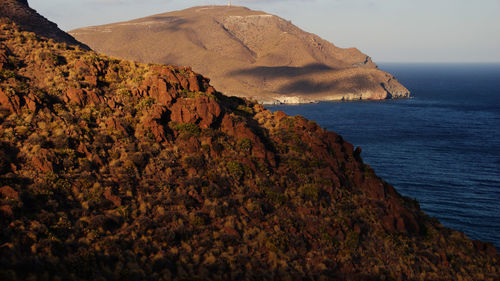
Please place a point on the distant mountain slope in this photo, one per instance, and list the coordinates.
(28, 19)
(247, 53)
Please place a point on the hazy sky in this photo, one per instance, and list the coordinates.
(386, 30)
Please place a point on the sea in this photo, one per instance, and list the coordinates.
(441, 146)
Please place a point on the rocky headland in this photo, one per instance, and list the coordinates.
(247, 53)
(117, 170)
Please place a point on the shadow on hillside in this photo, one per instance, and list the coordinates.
(169, 58)
(283, 71)
(305, 85)
(308, 86)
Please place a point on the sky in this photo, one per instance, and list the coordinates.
(386, 30)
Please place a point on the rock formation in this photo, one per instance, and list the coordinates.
(248, 54)
(116, 170)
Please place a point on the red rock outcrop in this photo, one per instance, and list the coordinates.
(158, 88)
(154, 122)
(9, 193)
(242, 131)
(82, 97)
(42, 161)
(11, 102)
(199, 110)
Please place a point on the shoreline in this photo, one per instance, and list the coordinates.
(294, 100)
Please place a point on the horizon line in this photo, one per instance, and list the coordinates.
(440, 62)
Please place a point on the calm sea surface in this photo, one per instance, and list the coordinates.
(441, 147)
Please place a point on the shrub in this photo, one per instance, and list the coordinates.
(91, 58)
(124, 92)
(278, 242)
(6, 74)
(187, 129)
(268, 189)
(352, 240)
(244, 110)
(145, 103)
(218, 147)
(85, 164)
(196, 220)
(61, 141)
(139, 159)
(309, 192)
(188, 94)
(262, 167)
(235, 169)
(195, 161)
(245, 144)
(276, 197)
(329, 240)
(52, 58)
(289, 122)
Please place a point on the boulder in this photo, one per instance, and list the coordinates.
(113, 198)
(202, 110)
(9, 192)
(240, 131)
(74, 95)
(194, 82)
(82, 97)
(158, 88)
(117, 125)
(42, 161)
(6, 210)
(154, 122)
(10, 102)
(4, 60)
(32, 102)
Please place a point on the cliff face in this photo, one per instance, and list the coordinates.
(28, 19)
(247, 53)
(115, 170)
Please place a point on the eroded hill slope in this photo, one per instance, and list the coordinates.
(247, 53)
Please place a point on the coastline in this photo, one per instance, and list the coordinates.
(295, 100)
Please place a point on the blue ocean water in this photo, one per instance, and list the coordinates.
(441, 147)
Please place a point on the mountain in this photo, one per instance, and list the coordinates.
(28, 19)
(248, 54)
(117, 170)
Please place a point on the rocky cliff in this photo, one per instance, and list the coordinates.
(247, 53)
(116, 170)
(28, 19)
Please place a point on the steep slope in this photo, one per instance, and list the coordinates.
(114, 170)
(28, 19)
(247, 53)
